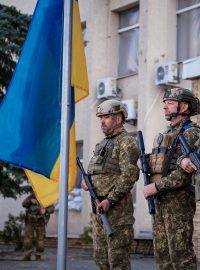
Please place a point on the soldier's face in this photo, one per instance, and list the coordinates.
(173, 110)
(108, 123)
(170, 106)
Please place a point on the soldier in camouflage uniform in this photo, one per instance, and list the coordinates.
(113, 173)
(171, 179)
(36, 220)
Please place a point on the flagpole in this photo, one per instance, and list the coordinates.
(65, 130)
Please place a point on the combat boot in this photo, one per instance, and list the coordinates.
(38, 257)
(26, 258)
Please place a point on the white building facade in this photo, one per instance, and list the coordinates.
(134, 51)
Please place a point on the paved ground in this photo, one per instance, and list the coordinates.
(78, 259)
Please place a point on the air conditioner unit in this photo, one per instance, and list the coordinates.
(131, 106)
(166, 73)
(106, 88)
(191, 69)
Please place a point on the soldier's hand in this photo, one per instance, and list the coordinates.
(83, 185)
(149, 190)
(187, 165)
(42, 211)
(105, 204)
(34, 201)
(139, 164)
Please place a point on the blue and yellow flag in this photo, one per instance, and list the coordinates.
(30, 113)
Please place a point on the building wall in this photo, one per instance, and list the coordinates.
(154, 48)
(157, 44)
(25, 6)
(102, 25)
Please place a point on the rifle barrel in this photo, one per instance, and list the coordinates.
(94, 196)
(145, 170)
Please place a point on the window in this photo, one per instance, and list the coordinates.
(84, 33)
(75, 197)
(128, 42)
(188, 29)
(79, 153)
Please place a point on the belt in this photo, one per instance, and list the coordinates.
(157, 150)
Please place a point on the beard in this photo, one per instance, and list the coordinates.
(107, 130)
(172, 115)
(168, 117)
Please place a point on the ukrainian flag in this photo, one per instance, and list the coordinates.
(30, 113)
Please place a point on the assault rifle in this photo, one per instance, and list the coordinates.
(95, 198)
(145, 170)
(188, 151)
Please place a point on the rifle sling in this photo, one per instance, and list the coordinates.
(171, 154)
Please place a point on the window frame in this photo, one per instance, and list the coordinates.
(123, 30)
(81, 143)
(179, 12)
(183, 10)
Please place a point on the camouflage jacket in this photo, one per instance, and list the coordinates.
(177, 177)
(117, 184)
(33, 213)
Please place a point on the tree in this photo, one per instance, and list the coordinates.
(13, 30)
(12, 181)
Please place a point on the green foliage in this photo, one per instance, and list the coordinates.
(12, 181)
(86, 236)
(12, 233)
(13, 30)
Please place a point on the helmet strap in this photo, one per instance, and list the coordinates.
(177, 113)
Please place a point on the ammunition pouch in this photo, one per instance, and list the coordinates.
(159, 155)
(102, 161)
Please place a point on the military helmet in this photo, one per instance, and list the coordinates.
(181, 94)
(111, 106)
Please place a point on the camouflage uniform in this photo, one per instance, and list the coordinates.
(175, 204)
(35, 227)
(114, 181)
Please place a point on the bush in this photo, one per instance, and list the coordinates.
(12, 233)
(86, 236)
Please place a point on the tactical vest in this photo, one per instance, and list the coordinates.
(159, 155)
(102, 161)
(34, 215)
(161, 147)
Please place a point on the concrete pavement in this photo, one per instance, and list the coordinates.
(77, 259)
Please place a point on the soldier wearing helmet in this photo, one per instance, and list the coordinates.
(113, 173)
(36, 220)
(185, 96)
(112, 107)
(171, 176)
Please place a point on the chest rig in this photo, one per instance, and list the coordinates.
(161, 167)
(159, 152)
(165, 153)
(102, 161)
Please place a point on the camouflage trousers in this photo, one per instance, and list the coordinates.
(34, 233)
(173, 230)
(112, 253)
